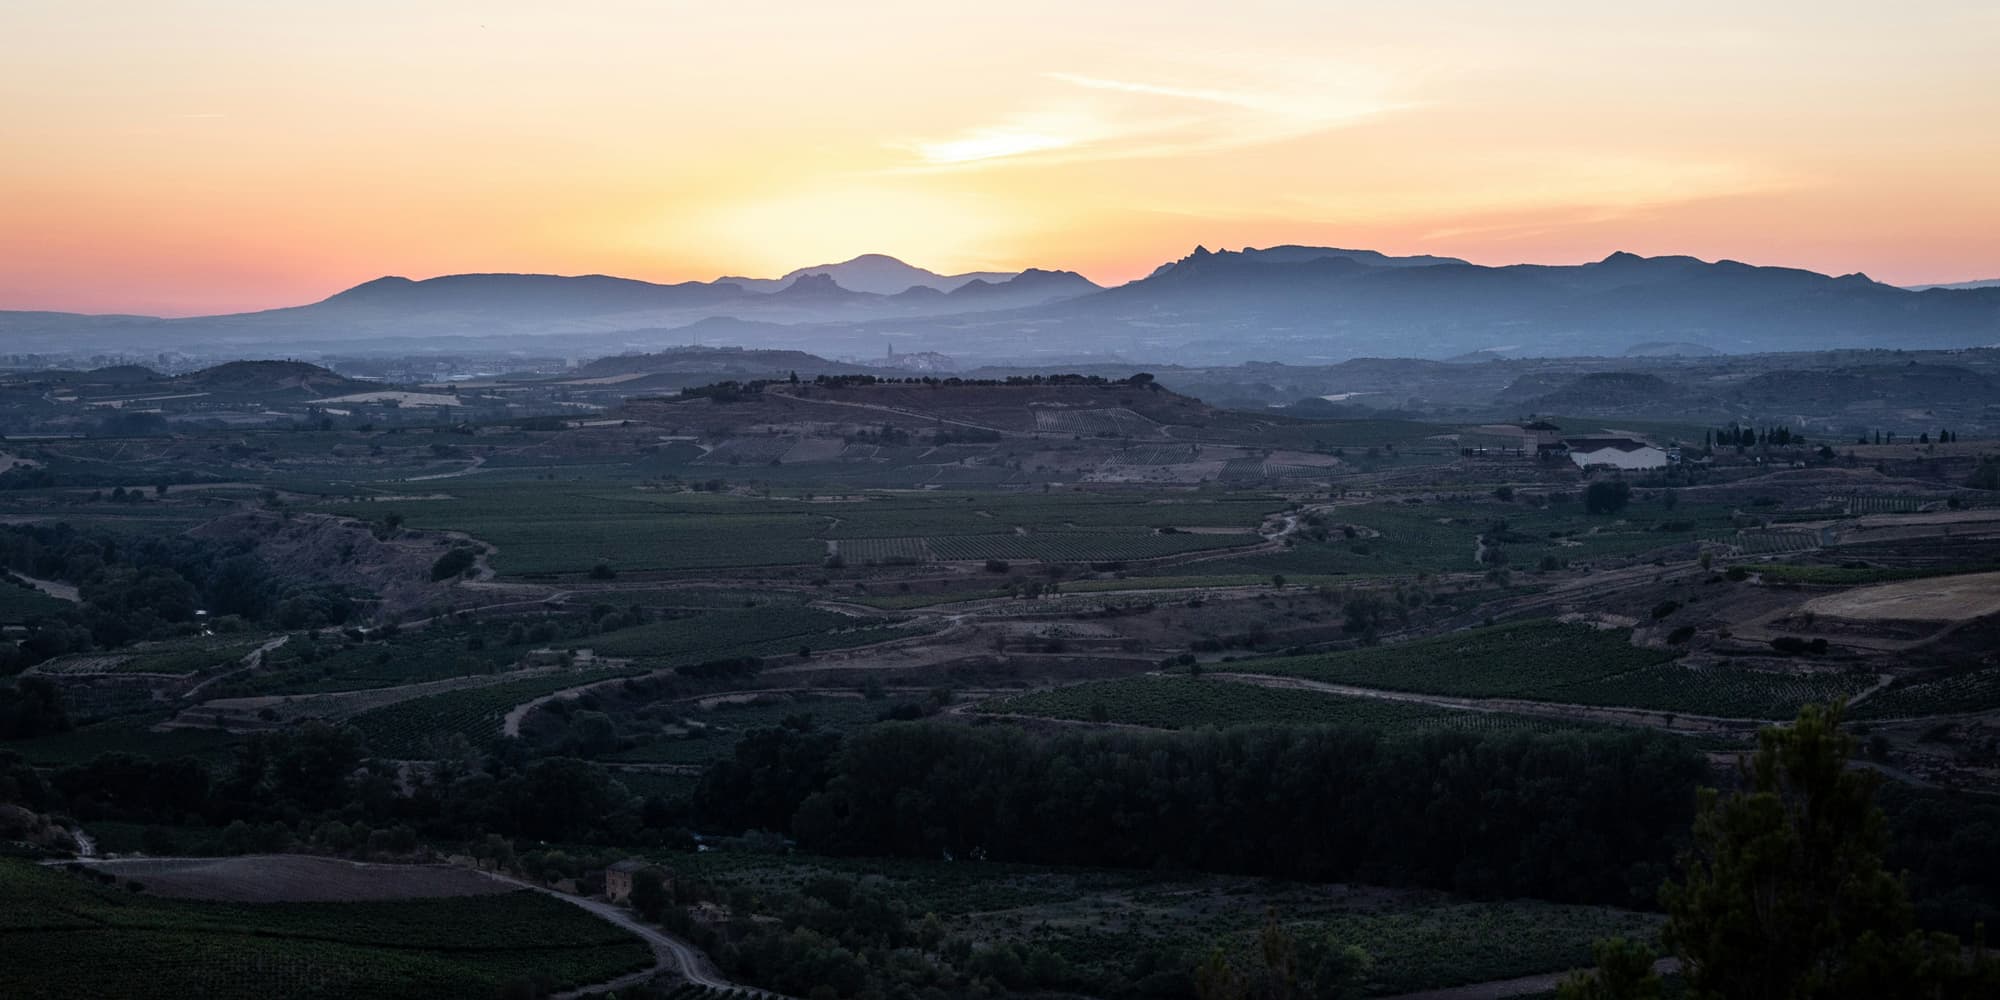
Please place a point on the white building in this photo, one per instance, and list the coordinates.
(1623, 454)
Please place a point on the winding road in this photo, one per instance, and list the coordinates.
(671, 954)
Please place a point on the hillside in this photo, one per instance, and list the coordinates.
(733, 362)
(1601, 391)
(1292, 303)
(1057, 404)
(876, 273)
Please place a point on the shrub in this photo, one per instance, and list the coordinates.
(1607, 497)
(453, 563)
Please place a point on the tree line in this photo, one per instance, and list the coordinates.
(149, 587)
(1566, 817)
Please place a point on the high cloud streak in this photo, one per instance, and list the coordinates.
(1092, 117)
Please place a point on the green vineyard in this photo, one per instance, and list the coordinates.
(1522, 660)
(67, 937)
(1192, 703)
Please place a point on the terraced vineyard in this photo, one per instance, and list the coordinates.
(574, 528)
(1191, 703)
(1099, 919)
(571, 530)
(1861, 504)
(747, 632)
(1404, 539)
(1718, 691)
(1768, 542)
(884, 551)
(309, 665)
(1083, 545)
(721, 725)
(66, 937)
(1969, 691)
(406, 729)
(1092, 423)
(174, 657)
(1567, 664)
(1529, 659)
(1158, 454)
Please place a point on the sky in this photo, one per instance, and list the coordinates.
(178, 157)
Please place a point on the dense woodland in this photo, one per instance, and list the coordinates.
(1557, 817)
(147, 586)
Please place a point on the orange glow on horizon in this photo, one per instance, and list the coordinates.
(225, 155)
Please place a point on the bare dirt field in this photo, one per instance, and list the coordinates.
(292, 878)
(1951, 598)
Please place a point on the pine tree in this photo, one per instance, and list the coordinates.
(1784, 895)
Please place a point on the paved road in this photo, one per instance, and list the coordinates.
(669, 952)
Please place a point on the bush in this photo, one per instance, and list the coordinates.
(1607, 497)
(1792, 645)
(453, 563)
(1986, 476)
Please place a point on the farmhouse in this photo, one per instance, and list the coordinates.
(1624, 454)
(618, 879)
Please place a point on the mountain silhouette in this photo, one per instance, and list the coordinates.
(1287, 303)
(876, 273)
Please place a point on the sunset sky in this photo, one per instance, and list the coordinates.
(178, 157)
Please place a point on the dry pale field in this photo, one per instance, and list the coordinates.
(293, 878)
(1941, 599)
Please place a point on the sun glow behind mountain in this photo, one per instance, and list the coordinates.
(223, 155)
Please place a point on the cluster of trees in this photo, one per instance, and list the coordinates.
(841, 937)
(1733, 436)
(1559, 817)
(1944, 436)
(1986, 476)
(148, 587)
(31, 707)
(1607, 496)
(456, 560)
(1784, 891)
(284, 789)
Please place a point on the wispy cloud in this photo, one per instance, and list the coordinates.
(1021, 134)
(1095, 118)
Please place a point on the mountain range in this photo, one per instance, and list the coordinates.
(876, 273)
(1289, 303)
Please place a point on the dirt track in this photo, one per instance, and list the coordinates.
(1521, 986)
(1675, 721)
